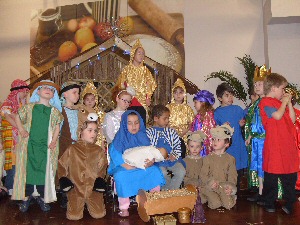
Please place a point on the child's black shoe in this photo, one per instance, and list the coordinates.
(24, 205)
(45, 207)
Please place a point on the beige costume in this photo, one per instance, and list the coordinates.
(82, 163)
(220, 169)
(193, 170)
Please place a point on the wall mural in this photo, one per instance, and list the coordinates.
(62, 33)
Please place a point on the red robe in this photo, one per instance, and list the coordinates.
(297, 125)
(280, 151)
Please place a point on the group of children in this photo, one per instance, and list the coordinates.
(53, 142)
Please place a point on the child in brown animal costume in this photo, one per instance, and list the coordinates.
(82, 169)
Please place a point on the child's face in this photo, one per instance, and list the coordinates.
(72, 95)
(46, 92)
(259, 88)
(89, 101)
(123, 101)
(219, 144)
(139, 55)
(163, 120)
(194, 148)
(227, 99)
(22, 95)
(89, 134)
(178, 95)
(133, 124)
(198, 105)
(278, 92)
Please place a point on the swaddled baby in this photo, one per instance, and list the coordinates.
(137, 156)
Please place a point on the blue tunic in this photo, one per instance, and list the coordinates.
(233, 114)
(129, 182)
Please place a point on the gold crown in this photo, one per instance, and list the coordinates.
(136, 45)
(178, 83)
(90, 89)
(261, 73)
(292, 91)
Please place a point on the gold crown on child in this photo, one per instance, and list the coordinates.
(261, 73)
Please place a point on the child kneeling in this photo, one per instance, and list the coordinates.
(81, 170)
(218, 173)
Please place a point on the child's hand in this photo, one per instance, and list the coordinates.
(24, 133)
(214, 185)
(172, 158)
(228, 190)
(52, 145)
(286, 98)
(242, 122)
(149, 163)
(247, 142)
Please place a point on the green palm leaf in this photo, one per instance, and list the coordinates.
(235, 84)
(249, 67)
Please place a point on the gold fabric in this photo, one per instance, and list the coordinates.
(82, 163)
(138, 77)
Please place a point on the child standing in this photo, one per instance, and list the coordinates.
(84, 157)
(233, 115)
(194, 161)
(89, 97)
(162, 136)
(255, 135)
(137, 75)
(280, 152)
(39, 125)
(204, 120)
(128, 179)
(218, 173)
(181, 114)
(9, 110)
(112, 119)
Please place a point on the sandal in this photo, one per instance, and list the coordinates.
(123, 213)
(44, 206)
(23, 207)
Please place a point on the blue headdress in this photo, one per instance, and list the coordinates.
(204, 96)
(55, 102)
(124, 139)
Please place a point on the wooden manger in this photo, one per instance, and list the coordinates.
(170, 201)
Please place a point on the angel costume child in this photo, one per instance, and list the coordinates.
(218, 173)
(81, 170)
(181, 114)
(36, 158)
(138, 76)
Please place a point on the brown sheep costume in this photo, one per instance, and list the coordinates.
(81, 172)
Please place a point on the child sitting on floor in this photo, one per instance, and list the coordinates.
(81, 170)
(218, 173)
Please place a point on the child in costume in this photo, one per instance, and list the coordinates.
(9, 110)
(39, 124)
(112, 119)
(128, 179)
(204, 120)
(255, 135)
(137, 156)
(181, 114)
(90, 98)
(233, 115)
(3, 190)
(162, 136)
(81, 170)
(69, 96)
(280, 155)
(137, 75)
(218, 173)
(194, 160)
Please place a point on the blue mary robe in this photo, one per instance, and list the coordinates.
(129, 182)
(233, 114)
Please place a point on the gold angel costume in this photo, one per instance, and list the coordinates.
(91, 89)
(138, 77)
(181, 115)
